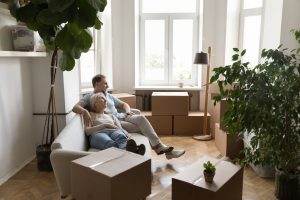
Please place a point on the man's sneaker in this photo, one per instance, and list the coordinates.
(174, 154)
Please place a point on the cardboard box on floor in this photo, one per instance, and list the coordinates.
(170, 103)
(228, 145)
(127, 98)
(223, 109)
(227, 183)
(191, 124)
(162, 124)
(111, 174)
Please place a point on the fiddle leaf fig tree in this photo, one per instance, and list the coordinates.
(62, 24)
(265, 103)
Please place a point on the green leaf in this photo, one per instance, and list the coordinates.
(59, 5)
(236, 49)
(84, 40)
(64, 39)
(27, 13)
(98, 4)
(98, 24)
(235, 57)
(66, 62)
(38, 2)
(48, 17)
(86, 16)
(243, 52)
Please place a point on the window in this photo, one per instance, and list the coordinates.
(168, 41)
(89, 64)
(250, 30)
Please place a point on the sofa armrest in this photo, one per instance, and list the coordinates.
(61, 164)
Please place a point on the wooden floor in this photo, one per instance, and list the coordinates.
(30, 184)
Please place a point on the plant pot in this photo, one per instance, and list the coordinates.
(208, 176)
(43, 157)
(287, 186)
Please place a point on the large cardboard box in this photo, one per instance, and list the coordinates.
(170, 103)
(192, 124)
(111, 174)
(227, 183)
(162, 124)
(127, 98)
(223, 109)
(228, 145)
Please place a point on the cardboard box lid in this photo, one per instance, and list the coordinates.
(194, 174)
(111, 162)
(170, 94)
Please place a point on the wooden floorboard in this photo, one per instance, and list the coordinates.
(31, 184)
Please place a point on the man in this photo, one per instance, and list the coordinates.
(100, 85)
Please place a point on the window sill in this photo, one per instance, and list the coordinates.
(189, 88)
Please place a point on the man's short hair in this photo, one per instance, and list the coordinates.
(97, 78)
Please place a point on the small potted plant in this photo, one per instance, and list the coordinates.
(209, 171)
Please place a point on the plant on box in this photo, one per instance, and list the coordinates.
(64, 27)
(209, 171)
(265, 103)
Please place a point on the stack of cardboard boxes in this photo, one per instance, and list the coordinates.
(171, 116)
(228, 145)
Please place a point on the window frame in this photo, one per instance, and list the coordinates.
(168, 19)
(248, 12)
(97, 60)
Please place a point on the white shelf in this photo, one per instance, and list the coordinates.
(22, 54)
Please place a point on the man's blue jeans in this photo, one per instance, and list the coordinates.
(108, 138)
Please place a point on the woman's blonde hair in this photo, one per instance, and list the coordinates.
(94, 98)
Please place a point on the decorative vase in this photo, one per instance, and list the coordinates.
(287, 186)
(208, 176)
(43, 157)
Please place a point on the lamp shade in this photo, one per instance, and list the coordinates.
(201, 58)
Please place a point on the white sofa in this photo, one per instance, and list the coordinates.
(72, 143)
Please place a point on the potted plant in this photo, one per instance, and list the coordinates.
(265, 103)
(64, 27)
(209, 171)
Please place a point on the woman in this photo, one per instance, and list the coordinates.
(106, 130)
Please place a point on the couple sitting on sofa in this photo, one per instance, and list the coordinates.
(113, 134)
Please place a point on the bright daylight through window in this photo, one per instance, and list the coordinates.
(168, 41)
(250, 30)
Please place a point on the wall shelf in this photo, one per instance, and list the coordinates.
(22, 54)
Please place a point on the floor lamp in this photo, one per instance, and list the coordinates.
(204, 59)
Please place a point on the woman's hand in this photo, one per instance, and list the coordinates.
(111, 126)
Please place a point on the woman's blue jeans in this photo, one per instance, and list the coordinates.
(109, 138)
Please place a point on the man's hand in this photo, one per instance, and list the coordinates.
(130, 113)
(87, 118)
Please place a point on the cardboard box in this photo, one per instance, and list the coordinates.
(111, 174)
(228, 145)
(170, 103)
(223, 109)
(227, 183)
(162, 124)
(192, 124)
(127, 98)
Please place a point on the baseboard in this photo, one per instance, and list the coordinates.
(12, 172)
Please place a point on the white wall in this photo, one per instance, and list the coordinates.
(17, 138)
(290, 20)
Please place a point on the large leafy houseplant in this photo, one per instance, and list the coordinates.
(64, 27)
(265, 103)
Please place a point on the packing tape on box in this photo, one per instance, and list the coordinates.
(199, 178)
(105, 161)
